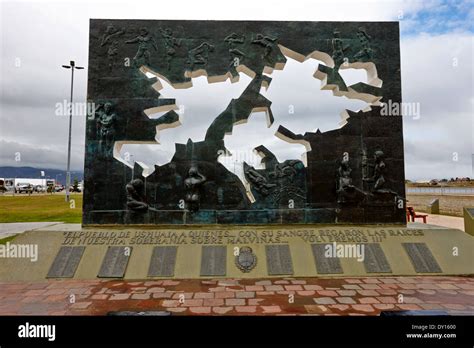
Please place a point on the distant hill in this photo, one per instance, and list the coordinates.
(30, 172)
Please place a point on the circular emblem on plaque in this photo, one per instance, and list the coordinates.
(246, 260)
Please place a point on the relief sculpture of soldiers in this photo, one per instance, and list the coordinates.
(352, 174)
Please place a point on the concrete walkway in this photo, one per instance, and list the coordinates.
(440, 220)
(10, 229)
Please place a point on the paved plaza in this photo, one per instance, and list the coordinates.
(276, 296)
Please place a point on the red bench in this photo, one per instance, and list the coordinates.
(411, 213)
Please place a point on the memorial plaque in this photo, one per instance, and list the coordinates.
(325, 265)
(66, 262)
(163, 261)
(213, 260)
(278, 259)
(421, 257)
(375, 260)
(115, 262)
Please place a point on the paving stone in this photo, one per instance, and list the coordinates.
(235, 302)
(162, 294)
(293, 287)
(170, 303)
(274, 288)
(408, 307)
(385, 292)
(35, 292)
(245, 294)
(370, 286)
(386, 299)
(455, 306)
(80, 305)
(407, 299)
(345, 300)
(55, 292)
(388, 280)
(56, 298)
(428, 286)
(324, 300)
(327, 293)
(170, 283)
(363, 307)
(99, 297)
(221, 310)
(346, 292)
(40, 286)
(368, 292)
(200, 310)
(316, 309)
(176, 309)
(365, 300)
(223, 294)
(340, 307)
(313, 287)
(448, 292)
(245, 309)
(383, 306)
(141, 296)
(204, 295)
(280, 282)
(447, 286)
(218, 289)
(409, 286)
(265, 293)
(306, 293)
(467, 286)
(181, 295)
(153, 283)
(271, 309)
(431, 306)
(263, 282)
(353, 281)
(155, 289)
(213, 302)
(427, 292)
(193, 303)
(389, 286)
(228, 282)
(351, 286)
(254, 288)
(255, 301)
(119, 297)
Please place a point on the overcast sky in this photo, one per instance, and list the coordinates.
(37, 37)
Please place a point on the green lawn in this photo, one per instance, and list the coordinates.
(7, 239)
(35, 208)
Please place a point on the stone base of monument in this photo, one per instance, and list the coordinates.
(237, 252)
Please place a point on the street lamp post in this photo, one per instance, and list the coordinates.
(72, 66)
